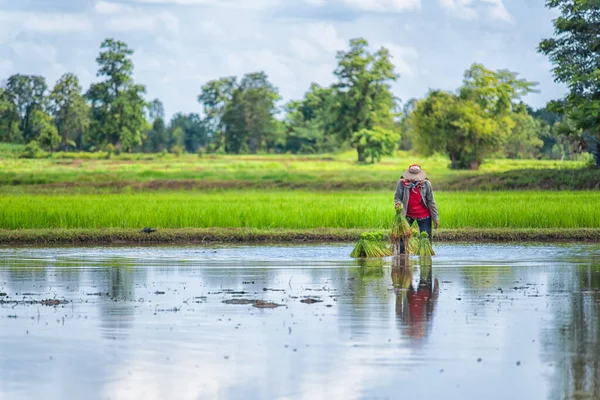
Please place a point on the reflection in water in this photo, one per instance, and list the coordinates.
(573, 341)
(363, 338)
(415, 304)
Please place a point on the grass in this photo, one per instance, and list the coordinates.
(293, 210)
(248, 235)
(339, 172)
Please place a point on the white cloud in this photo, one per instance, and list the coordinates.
(106, 7)
(136, 21)
(247, 4)
(316, 3)
(43, 22)
(304, 49)
(384, 5)
(498, 11)
(326, 36)
(460, 8)
(402, 57)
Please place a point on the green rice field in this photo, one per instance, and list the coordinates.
(293, 210)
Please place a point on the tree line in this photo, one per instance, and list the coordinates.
(484, 117)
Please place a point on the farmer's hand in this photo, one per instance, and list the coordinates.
(436, 224)
(397, 205)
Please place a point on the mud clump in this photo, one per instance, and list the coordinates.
(265, 304)
(255, 303)
(53, 302)
(239, 301)
(310, 300)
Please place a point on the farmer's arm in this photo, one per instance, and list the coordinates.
(435, 216)
(399, 193)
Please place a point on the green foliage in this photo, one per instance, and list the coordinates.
(71, 112)
(524, 140)
(9, 119)
(117, 104)
(473, 124)
(376, 143)
(575, 52)
(363, 90)
(44, 130)
(32, 150)
(27, 93)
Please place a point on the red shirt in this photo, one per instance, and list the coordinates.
(416, 208)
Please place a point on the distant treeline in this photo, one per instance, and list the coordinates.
(484, 117)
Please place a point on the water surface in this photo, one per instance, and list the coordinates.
(475, 321)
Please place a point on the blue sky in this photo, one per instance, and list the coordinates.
(180, 44)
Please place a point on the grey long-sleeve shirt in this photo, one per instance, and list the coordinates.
(403, 193)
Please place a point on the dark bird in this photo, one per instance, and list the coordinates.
(148, 230)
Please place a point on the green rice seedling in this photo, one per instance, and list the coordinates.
(413, 243)
(425, 248)
(400, 228)
(371, 245)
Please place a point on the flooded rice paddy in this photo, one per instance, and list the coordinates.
(299, 322)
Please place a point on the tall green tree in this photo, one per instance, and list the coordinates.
(575, 52)
(157, 137)
(524, 140)
(194, 134)
(70, 110)
(376, 143)
(44, 129)
(9, 119)
(215, 97)
(241, 116)
(118, 106)
(363, 86)
(28, 93)
(311, 125)
(472, 124)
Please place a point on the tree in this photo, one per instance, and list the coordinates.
(311, 125)
(575, 52)
(28, 94)
(473, 124)
(241, 117)
(524, 141)
(9, 119)
(215, 97)
(157, 136)
(44, 129)
(445, 123)
(376, 143)
(117, 102)
(363, 86)
(194, 134)
(70, 111)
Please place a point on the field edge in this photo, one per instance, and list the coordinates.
(243, 235)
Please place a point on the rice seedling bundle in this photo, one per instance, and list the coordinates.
(425, 248)
(371, 245)
(400, 228)
(413, 243)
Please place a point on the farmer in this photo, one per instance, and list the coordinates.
(415, 194)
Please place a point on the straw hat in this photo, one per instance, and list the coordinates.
(414, 173)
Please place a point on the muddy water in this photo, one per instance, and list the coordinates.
(480, 322)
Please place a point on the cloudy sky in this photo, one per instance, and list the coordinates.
(180, 44)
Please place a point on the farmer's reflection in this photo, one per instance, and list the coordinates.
(415, 304)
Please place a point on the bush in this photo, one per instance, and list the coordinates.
(32, 150)
(177, 150)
